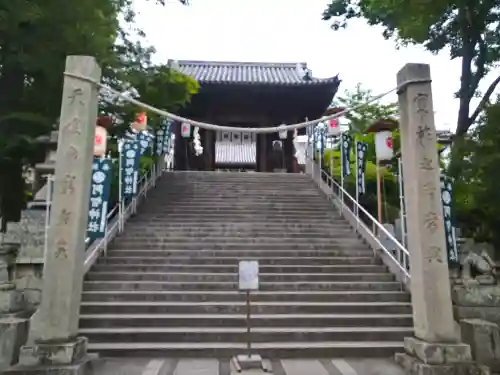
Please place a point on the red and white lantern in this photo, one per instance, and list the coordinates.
(333, 127)
(186, 130)
(141, 122)
(383, 145)
(100, 141)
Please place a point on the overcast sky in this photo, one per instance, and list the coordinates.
(292, 31)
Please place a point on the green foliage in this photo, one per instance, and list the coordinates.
(474, 168)
(159, 86)
(358, 121)
(468, 29)
(390, 190)
(35, 38)
(361, 119)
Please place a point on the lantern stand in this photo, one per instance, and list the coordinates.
(384, 152)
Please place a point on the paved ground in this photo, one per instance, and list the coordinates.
(163, 366)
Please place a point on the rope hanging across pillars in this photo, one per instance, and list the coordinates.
(274, 129)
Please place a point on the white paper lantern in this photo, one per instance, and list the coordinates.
(186, 130)
(333, 127)
(383, 145)
(283, 133)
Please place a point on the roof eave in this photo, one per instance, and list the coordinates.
(324, 82)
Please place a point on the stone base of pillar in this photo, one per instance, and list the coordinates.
(54, 358)
(11, 300)
(13, 334)
(424, 358)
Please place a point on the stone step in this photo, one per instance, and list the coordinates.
(241, 251)
(274, 187)
(162, 235)
(233, 285)
(168, 286)
(252, 225)
(268, 215)
(193, 176)
(216, 243)
(177, 202)
(244, 184)
(245, 178)
(238, 334)
(233, 268)
(165, 232)
(227, 277)
(232, 260)
(202, 200)
(235, 296)
(185, 193)
(239, 320)
(294, 307)
(143, 220)
(338, 349)
(237, 208)
(220, 190)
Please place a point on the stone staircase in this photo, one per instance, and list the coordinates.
(168, 286)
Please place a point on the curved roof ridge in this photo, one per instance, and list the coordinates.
(227, 72)
(291, 65)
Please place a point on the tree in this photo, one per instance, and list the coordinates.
(469, 29)
(361, 119)
(35, 38)
(358, 121)
(476, 185)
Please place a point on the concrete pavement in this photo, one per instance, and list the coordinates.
(167, 366)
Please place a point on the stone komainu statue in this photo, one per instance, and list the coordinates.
(476, 263)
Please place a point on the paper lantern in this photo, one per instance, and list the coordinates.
(383, 145)
(100, 141)
(283, 133)
(141, 122)
(186, 130)
(334, 127)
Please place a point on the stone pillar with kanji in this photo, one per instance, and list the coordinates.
(53, 343)
(435, 347)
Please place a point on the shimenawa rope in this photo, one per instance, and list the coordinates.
(208, 126)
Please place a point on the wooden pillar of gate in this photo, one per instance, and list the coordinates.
(262, 141)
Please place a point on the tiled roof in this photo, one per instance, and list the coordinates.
(235, 153)
(250, 73)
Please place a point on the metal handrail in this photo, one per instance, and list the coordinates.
(113, 225)
(402, 253)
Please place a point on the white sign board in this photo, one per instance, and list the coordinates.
(249, 275)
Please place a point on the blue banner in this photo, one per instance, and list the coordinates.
(167, 140)
(130, 168)
(449, 229)
(144, 141)
(160, 138)
(99, 197)
(346, 143)
(361, 150)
